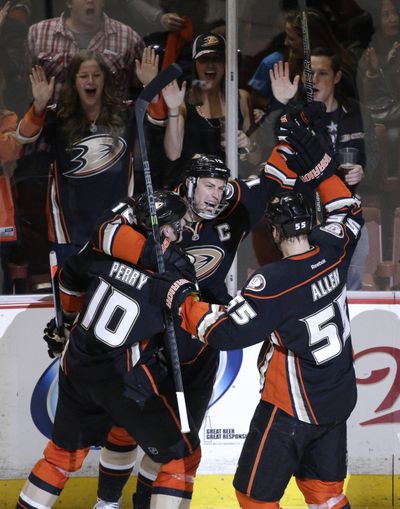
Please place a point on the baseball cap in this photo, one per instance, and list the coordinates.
(208, 43)
(20, 9)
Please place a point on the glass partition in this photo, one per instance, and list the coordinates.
(54, 184)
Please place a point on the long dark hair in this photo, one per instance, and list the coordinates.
(381, 42)
(71, 114)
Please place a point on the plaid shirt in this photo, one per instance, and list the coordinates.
(52, 45)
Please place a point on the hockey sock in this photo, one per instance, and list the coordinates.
(173, 487)
(49, 476)
(117, 459)
(337, 504)
(323, 494)
(148, 472)
(247, 502)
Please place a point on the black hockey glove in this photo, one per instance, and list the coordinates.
(169, 290)
(175, 259)
(312, 160)
(311, 114)
(55, 338)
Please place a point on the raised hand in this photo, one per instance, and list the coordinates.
(173, 95)
(372, 62)
(312, 114)
(312, 160)
(172, 22)
(393, 53)
(147, 67)
(42, 89)
(282, 88)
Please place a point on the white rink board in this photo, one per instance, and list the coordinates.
(373, 447)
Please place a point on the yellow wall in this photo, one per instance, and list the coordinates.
(216, 492)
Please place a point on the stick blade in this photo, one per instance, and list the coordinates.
(171, 73)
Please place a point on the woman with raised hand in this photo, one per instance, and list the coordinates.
(196, 117)
(10, 150)
(89, 137)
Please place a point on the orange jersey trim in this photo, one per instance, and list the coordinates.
(304, 390)
(31, 124)
(167, 405)
(128, 244)
(119, 436)
(332, 189)
(300, 284)
(192, 312)
(276, 386)
(250, 503)
(259, 452)
(277, 160)
(71, 303)
(10, 147)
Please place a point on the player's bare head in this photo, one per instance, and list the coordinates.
(289, 216)
(169, 207)
(206, 179)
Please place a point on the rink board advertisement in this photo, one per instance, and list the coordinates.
(28, 387)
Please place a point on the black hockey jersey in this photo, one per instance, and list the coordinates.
(298, 306)
(116, 320)
(85, 179)
(211, 243)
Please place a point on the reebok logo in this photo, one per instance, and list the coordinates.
(318, 264)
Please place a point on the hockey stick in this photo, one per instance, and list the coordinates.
(309, 85)
(306, 51)
(55, 290)
(151, 90)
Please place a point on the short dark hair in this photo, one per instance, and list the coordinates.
(336, 61)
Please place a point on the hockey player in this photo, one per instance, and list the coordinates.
(220, 214)
(309, 390)
(110, 373)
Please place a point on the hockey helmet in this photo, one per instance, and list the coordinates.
(206, 166)
(290, 214)
(170, 209)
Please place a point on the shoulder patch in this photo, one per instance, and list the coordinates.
(257, 283)
(230, 191)
(335, 229)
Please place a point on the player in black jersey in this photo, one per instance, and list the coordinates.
(110, 373)
(299, 303)
(220, 214)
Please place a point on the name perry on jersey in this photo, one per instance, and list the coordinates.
(128, 275)
(325, 285)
